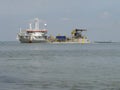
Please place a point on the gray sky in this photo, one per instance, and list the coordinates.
(100, 17)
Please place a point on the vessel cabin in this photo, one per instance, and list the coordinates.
(61, 38)
(77, 33)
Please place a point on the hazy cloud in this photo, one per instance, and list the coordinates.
(65, 19)
(105, 15)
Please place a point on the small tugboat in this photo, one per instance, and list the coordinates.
(32, 35)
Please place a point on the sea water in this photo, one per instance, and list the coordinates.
(43, 66)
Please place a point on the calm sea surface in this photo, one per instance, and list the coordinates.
(59, 66)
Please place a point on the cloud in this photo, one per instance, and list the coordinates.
(105, 15)
(65, 19)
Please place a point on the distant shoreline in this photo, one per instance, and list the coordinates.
(105, 42)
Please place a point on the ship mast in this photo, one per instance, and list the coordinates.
(36, 24)
(30, 26)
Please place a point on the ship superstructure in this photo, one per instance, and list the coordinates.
(33, 34)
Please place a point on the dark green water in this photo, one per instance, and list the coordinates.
(59, 66)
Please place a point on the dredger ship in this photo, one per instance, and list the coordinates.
(35, 35)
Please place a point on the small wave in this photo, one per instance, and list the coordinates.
(9, 79)
(19, 59)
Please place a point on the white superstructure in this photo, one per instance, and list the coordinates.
(33, 34)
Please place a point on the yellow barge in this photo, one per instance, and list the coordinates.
(76, 37)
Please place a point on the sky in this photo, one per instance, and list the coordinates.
(101, 18)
